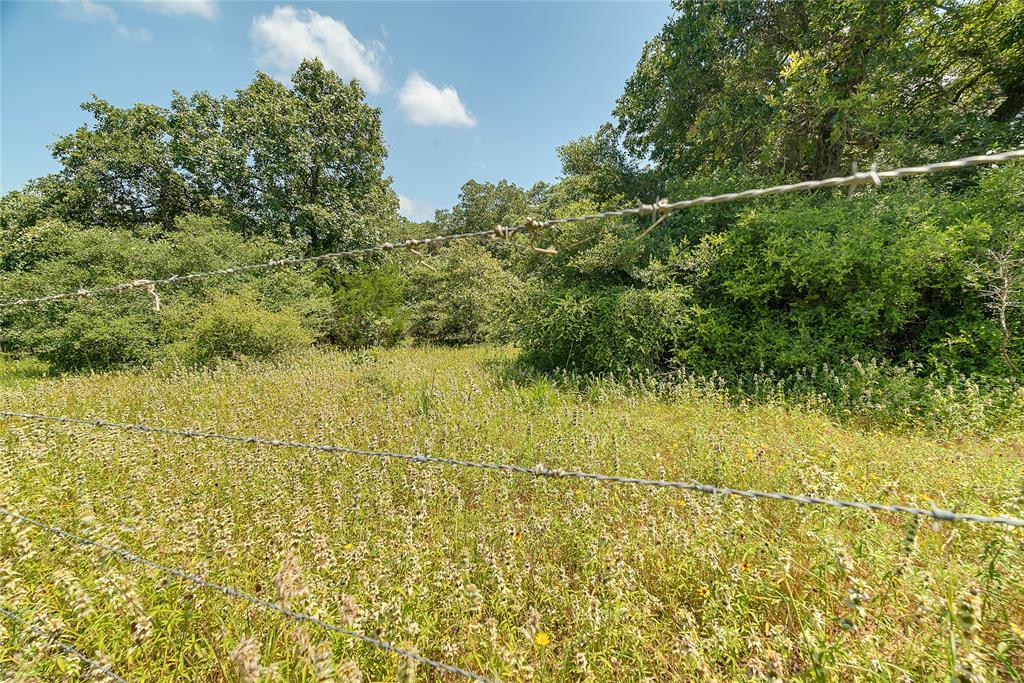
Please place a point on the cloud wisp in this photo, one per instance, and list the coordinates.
(207, 9)
(425, 104)
(286, 36)
(90, 12)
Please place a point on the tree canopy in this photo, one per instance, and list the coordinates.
(303, 163)
(809, 86)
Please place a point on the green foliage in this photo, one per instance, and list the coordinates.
(816, 281)
(811, 85)
(93, 337)
(298, 165)
(235, 327)
(604, 330)
(896, 274)
(303, 163)
(482, 206)
(459, 296)
(120, 170)
(368, 309)
(123, 329)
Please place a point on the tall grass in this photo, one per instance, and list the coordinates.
(517, 578)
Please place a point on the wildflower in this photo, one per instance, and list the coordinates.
(704, 592)
(245, 660)
(856, 598)
(290, 590)
(968, 611)
(745, 566)
(348, 672)
(542, 638)
(970, 669)
(349, 546)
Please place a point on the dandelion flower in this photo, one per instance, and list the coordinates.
(349, 546)
(542, 638)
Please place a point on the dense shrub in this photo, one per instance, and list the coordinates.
(367, 309)
(92, 337)
(123, 329)
(613, 329)
(236, 327)
(896, 275)
(459, 297)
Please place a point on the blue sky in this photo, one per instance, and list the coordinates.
(483, 90)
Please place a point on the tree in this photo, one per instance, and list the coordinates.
(119, 170)
(811, 85)
(303, 163)
(483, 206)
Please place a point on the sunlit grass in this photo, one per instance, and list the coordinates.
(517, 578)
(14, 371)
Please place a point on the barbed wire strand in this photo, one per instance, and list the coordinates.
(93, 664)
(236, 593)
(539, 471)
(661, 207)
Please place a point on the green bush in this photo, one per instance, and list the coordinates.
(117, 330)
(236, 327)
(887, 276)
(605, 330)
(95, 338)
(897, 275)
(460, 297)
(367, 309)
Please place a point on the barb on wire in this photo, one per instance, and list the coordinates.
(661, 208)
(538, 470)
(92, 663)
(236, 593)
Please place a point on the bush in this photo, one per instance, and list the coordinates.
(119, 330)
(368, 309)
(461, 297)
(94, 338)
(609, 330)
(237, 327)
(897, 275)
(883, 276)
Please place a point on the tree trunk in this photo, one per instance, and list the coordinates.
(828, 153)
(1012, 105)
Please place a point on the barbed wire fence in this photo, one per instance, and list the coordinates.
(236, 593)
(657, 211)
(538, 470)
(54, 641)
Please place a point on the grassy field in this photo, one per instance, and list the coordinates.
(513, 577)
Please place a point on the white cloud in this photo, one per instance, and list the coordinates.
(90, 12)
(207, 9)
(287, 36)
(414, 209)
(427, 105)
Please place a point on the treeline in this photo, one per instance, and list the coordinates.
(923, 274)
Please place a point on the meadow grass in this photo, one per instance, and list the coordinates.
(514, 577)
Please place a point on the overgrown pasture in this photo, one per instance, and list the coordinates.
(514, 577)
